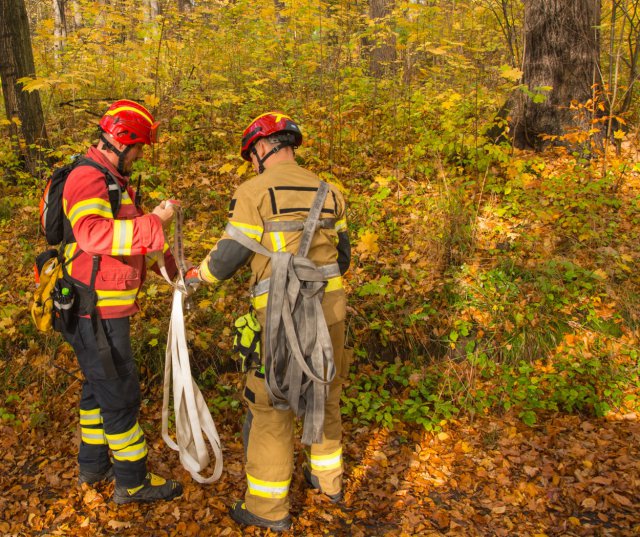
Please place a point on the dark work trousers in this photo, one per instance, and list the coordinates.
(111, 391)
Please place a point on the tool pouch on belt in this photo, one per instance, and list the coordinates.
(246, 340)
(48, 271)
(64, 305)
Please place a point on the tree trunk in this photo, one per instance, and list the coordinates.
(185, 5)
(16, 61)
(382, 56)
(152, 10)
(561, 53)
(77, 15)
(59, 25)
(279, 7)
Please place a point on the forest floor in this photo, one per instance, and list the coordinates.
(567, 475)
(492, 476)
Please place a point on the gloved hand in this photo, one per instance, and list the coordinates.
(192, 280)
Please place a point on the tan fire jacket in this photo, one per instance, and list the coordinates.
(284, 191)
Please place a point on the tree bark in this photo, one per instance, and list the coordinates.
(561, 52)
(382, 55)
(77, 15)
(16, 61)
(185, 5)
(59, 24)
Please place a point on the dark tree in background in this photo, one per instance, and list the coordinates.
(16, 61)
(561, 52)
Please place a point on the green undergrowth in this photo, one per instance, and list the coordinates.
(388, 394)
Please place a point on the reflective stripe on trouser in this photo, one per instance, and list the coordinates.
(128, 446)
(269, 439)
(325, 459)
(91, 430)
(112, 391)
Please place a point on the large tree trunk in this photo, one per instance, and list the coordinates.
(16, 61)
(561, 52)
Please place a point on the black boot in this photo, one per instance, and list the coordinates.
(242, 515)
(91, 478)
(153, 488)
(313, 482)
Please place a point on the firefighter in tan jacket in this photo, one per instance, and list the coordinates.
(283, 191)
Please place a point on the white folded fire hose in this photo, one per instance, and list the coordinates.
(192, 416)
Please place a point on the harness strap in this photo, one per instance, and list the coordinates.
(192, 416)
(298, 358)
(328, 271)
(297, 225)
(312, 219)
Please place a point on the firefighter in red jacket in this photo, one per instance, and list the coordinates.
(107, 265)
(281, 191)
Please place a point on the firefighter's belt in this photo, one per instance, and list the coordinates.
(192, 416)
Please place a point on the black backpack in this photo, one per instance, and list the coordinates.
(53, 222)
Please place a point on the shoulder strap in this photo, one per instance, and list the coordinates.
(113, 187)
(308, 227)
(312, 220)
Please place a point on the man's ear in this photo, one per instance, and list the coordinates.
(261, 147)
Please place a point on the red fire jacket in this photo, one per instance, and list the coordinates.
(127, 244)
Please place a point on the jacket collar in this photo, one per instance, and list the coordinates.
(98, 156)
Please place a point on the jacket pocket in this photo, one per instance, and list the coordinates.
(116, 275)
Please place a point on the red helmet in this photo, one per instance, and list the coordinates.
(130, 123)
(267, 125)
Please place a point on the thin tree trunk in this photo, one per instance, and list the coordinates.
(59, 25)
(16, 61)
(77, 15)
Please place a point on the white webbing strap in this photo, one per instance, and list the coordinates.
(192, 416)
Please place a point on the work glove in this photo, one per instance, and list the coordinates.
(246, 340)
(191, 281)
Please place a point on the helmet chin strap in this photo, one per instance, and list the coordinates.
(121, 154)
(262, 160)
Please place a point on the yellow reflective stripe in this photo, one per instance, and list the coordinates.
(69, 251)
(268, 489)
(341, 225)
(126, 199)
(333, 284)
(122, 237)
(253, 232)
(131, 453)
(91, 421)
(90, 417)
(93, 436)
(122, 440)
(205, 273)
(129, 109)
(116, 298)
(90, 206)
(278, 117)
(277, 241)
(260, 301)
(326, 462)
(152, 258)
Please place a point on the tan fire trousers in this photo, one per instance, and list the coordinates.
(269, 441)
